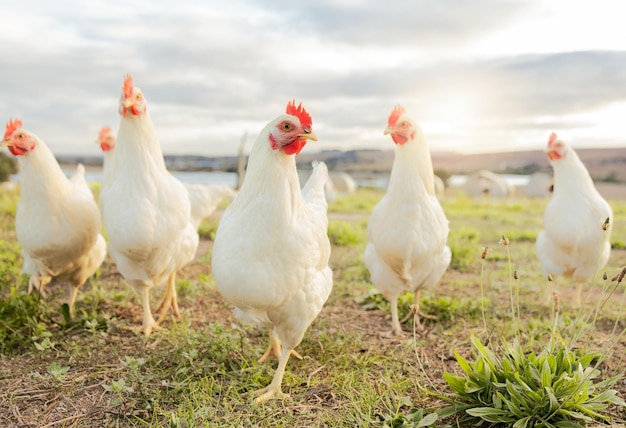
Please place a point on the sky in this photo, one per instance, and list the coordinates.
(477, 75)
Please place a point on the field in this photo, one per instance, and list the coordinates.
(99, 370)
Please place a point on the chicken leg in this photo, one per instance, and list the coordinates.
(149, 324)
(275, 348)
(395, 322)
(170, 299)
(39, 283)
(274, 389)
(415, 312)
(73, 295)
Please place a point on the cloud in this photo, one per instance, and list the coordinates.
(211, 72)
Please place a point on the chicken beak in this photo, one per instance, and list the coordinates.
(127, 103)
(5, 143)
(310, 135)
(389, 130)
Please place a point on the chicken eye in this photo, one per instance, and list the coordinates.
(138, 96)
(286, 126)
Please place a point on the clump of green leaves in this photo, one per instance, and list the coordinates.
(557, 387)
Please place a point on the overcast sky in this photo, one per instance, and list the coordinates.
(478, 75)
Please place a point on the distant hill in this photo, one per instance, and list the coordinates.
(603, 164)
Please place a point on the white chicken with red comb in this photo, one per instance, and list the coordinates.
(57, 220)
(576, 238)
(204, 198)
(146, 210)
(407, 230)
(271, 252)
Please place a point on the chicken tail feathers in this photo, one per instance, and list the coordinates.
(313, 191)
(78, 179)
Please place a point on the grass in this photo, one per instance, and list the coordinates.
(98, 370)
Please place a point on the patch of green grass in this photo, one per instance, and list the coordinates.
(618, 245)
(202, 369)
(345, 233)
(208, 228)
(21, 321)
(362, 201)
(443, 309)
(465, 248)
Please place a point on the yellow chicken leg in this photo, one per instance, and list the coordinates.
(170, 299)
(73, 295)
(275, 348)
(149, 324)
(274, 389)
(395, 322)
(415, 312)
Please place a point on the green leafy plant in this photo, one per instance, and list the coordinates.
(57, 372)
(555, 388)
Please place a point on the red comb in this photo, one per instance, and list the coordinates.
(552, 139)
(104, 132)
(128, 86)
(12, 126)
(300, 113)
(395, 114)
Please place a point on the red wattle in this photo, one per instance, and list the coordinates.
(552, 155)
(16, 151)
(399, 139)
(295, 147)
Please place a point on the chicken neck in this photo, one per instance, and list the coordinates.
(570, 175)
(136, 138)
(412, 163)
(40, 174)
(272, 173)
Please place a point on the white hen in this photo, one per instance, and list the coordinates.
(204, 198)
(57, 220)
(573, 242)
(145, 209)
(407, 229)
(271, 252)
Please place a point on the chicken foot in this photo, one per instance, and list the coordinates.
(170, 299)
(274, 389)
(38, 283)
(275, 348)
(414, 312)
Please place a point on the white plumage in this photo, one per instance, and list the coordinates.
(573, 242)
(146, 210)
(271, 252)
(407, 229)
(57, 220)
(203, 198)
